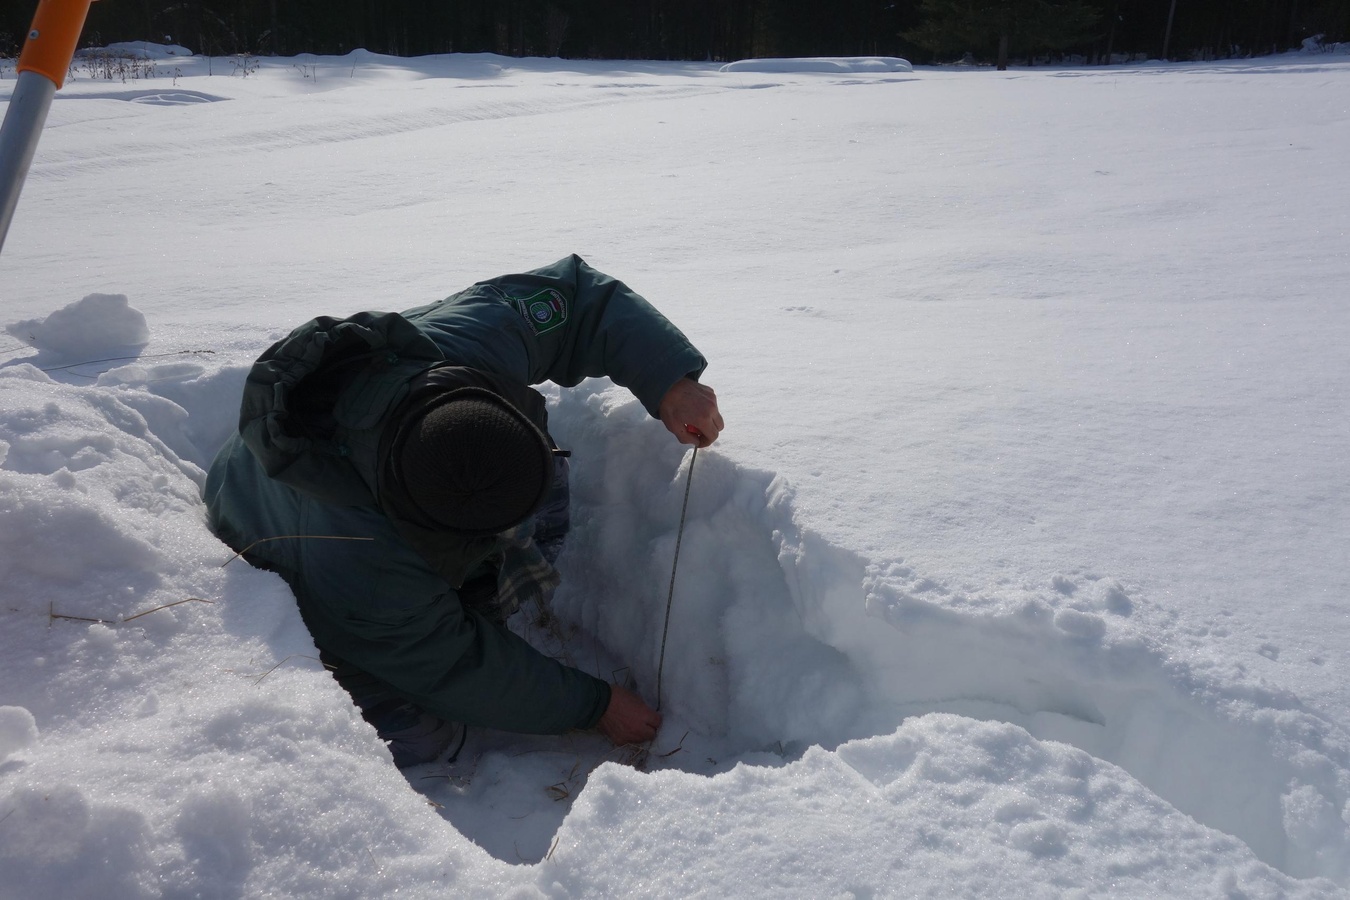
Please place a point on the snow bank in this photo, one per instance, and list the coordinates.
(164, 716)
(896, 816)
(833, 64)
(135, 50)
(1314, 44)
(780, 640)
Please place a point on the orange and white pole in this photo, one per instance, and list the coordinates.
(42, 70)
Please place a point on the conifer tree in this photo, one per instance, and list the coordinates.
(1000, 27)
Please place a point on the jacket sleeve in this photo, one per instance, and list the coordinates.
(562, 323)
(376, 605)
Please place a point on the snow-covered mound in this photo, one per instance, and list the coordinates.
(135, 50)
(1315, 44)
(99, 324)
(834, 64)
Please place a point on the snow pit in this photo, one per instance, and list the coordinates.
(779, 647)
(786, 655)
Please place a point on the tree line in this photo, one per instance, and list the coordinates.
(923, 31)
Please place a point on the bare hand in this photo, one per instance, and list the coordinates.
(689, 411)
(627, 720)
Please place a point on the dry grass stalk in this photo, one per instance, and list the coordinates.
(563, 789)
(52, 614)
(678, 747)
(638, 755)
(259, 679)
(166, 606)
(634, 756)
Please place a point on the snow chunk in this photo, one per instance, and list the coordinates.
(58, 835)
(18, 731)
(821, 64)
(1315, 825)
(1110, 596)
(96, 324)
(1080, 624)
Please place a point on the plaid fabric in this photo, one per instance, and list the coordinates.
(526, 554)
(524, 575)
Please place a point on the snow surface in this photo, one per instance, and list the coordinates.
(820, 64)
(1019, 571)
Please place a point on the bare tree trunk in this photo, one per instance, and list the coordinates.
(1167, 35)
(1111, 35)
(1003, 53)
(556, 30)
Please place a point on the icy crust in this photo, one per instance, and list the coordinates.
(166, 731)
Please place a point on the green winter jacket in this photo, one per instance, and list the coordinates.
(306, 462)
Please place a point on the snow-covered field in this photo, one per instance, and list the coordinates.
(1020, 570)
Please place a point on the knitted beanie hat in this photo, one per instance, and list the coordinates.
(472, 462)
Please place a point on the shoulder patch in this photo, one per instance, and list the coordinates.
(545, 310)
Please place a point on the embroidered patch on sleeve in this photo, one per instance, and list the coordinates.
(545, 310)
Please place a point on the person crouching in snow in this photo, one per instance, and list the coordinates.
(418, 432)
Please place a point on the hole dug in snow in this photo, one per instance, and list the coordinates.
(779, 641)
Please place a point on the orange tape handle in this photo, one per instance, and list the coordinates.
(52, 38)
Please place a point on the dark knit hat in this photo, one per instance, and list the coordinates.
(472, 462)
